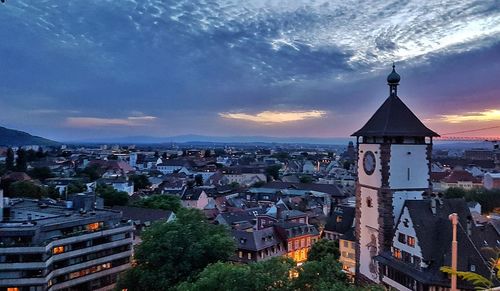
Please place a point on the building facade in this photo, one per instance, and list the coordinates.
(50, 247)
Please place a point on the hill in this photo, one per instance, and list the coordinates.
(11, 137)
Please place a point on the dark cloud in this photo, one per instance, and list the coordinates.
(188, 61)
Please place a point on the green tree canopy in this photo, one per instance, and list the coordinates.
(140, 181)
(26, 189)
(273, 171)
(92, 173)
(9, 160)
(454, 192)
(165, 202)
(111, 196)
(21, 162)
(322, 249)
(198, 179)
(41, 173)
(272, 274)
(173, 252)
(76, 187)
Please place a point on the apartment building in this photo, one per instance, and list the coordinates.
(47, 246)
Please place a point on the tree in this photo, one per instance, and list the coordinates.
(208, 153)
(21, 162)
(273, 171)
(41, 173)
(26, 189)
(322, 249)
(198, 179)
(173, 252)
(76, 187)
(111, 196)
(489, 199)
(9, 160)
(272, 274)
(306, 179)
(165, 202)
(324, 274)
(53, 192)
(454, 192)
(140, 181)
(92, 172)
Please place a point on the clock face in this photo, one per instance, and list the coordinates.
(369, 162)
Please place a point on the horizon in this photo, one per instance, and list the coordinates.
(77, 71)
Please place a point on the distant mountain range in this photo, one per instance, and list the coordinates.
(216, 139)
(12, 137)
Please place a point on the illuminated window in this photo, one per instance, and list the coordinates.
(296, 244)
(303, 243)
(93, 226)
(290, 247)
(58, 250)
(410, 241)
(397, 253)
(249, 256)
(308, 241)
(240, 254)
(13, 289)
(339, 219)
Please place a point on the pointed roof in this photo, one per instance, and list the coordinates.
(394, 118)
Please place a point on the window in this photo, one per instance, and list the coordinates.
(296, 244)
(308, 241)
(406, 222)
(397, 253)
(346, 244)
(303, 243)
(12, 289)
(290, 247)
(93, 226)
(402, 238)
(410, 241)
(339, 219)
(58, 250)
(249, 256)
(406, 257)
(369, 202)
(240, 254)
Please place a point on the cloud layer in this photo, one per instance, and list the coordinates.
(196, 66)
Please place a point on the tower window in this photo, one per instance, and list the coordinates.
(369, 202)
(408, 174)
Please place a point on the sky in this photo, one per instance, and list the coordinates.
(75, 70)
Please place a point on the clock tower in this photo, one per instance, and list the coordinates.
(394, 159)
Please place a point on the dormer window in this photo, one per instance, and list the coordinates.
(402, 238)
(410, 241)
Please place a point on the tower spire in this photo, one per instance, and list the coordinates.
(393, 81)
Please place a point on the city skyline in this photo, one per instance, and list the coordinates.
(75, 71)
